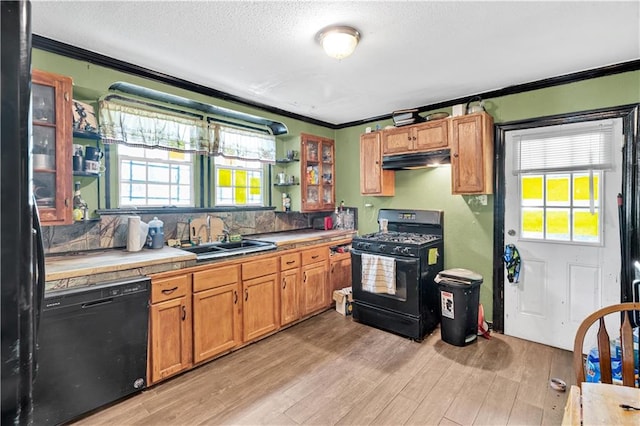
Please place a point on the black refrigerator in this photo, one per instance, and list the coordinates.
(21, 255)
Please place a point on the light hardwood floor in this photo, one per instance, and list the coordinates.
(331, 370)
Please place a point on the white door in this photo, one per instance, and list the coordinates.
(563, 219)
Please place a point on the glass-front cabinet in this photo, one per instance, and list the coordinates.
(317, 173)
(51, 143)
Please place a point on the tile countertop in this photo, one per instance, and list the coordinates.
(116, 260)
(303, 236)
(92, 263)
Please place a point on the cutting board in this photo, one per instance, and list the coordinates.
(198, 229)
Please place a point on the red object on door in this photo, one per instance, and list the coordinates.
(328, 223)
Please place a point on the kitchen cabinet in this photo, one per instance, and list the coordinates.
(260, 298)
(170, 333)
(416, 138)
(51, 152)
(314, 293)
(472, 154)
(217, 320)
(317, 173)
(290, 287)
(373, 179)
(340, 272)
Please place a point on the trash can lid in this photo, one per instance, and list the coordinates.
(460, 275)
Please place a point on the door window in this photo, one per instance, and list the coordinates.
(561, 207)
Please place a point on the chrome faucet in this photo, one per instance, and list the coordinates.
(225, 231)
(208, 229)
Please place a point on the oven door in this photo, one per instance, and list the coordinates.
(406, 299)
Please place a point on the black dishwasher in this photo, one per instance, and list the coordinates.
(92, 348)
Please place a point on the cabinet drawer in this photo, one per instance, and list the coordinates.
(259, 268)
(315, 255)
(170, 288)
(215, 277)
(289, 261)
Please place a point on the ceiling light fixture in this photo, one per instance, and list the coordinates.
(339, 41)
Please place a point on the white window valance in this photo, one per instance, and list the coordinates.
(231, 142)
(580, 146)
(148, 128)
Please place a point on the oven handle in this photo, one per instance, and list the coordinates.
(399, 258)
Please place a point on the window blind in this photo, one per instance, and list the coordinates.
(570, 147)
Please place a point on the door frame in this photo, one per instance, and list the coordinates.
(630, 115)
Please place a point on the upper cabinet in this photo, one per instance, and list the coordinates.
(419, 137)
(472, 154)
(52, 138)
(373, 179)
(468, 137)
(317, 173)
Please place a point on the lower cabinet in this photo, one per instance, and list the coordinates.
(170, 327)
(260, 300)
(340, 271)
(315, 280)
(290, 288)
(217, 320)
(259, 315)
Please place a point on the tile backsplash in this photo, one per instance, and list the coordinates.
(110, 231)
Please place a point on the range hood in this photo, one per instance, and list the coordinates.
(416, 160)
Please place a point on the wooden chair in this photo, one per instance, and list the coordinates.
(604, 350)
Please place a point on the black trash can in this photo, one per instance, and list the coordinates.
(459, 297)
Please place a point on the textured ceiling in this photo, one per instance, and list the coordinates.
(411, 53)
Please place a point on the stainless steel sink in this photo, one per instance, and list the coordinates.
(234, 248)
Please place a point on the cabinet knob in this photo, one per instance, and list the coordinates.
(284, 283)
(184, 312)
(455, 155)
(235, 297)
(246, 294)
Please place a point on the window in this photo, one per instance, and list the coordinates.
(154, 177)
(156, 149)
(561, 172)
(238, 182)
(561, 207)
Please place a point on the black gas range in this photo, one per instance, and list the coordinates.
(393, 272)
(395, 243)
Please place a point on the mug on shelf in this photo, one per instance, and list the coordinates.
(93, 154)
(92, 166)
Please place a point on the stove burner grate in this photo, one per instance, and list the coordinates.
(401, 237)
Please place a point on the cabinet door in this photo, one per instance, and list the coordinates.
(397, 141)
(472, 154)
(260, 306)
(314, 287)
(317, 173)
(216, 321)
(289, 301)
(170, 338)
(374, 180)
(51, 152)
(431, 135)
(340, 274)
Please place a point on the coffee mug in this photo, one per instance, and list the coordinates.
(91, 166)
(92, 153)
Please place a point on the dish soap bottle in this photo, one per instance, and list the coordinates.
(80, 209)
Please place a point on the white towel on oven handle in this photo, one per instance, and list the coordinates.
(378, 274)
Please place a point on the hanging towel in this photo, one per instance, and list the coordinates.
(378, 274)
